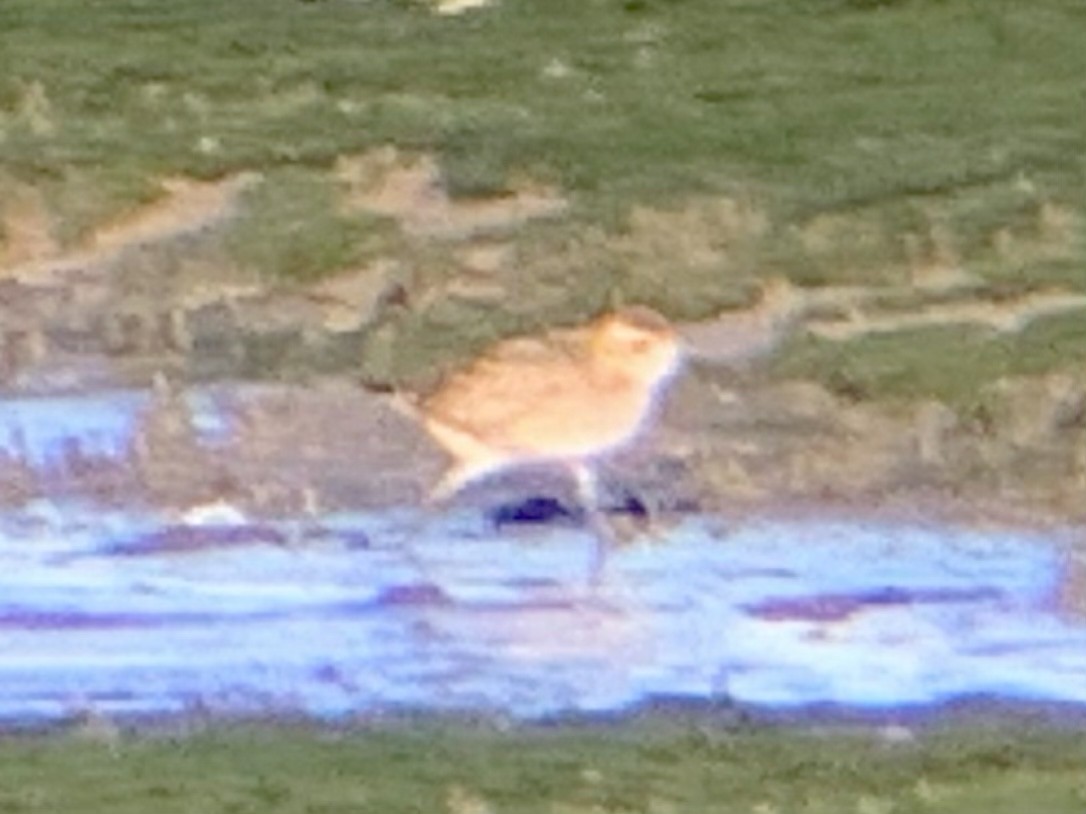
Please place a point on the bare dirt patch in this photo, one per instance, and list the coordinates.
(26, 229)
(410, 189)
(185, 207)
(1005, 316)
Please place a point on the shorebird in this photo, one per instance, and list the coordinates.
(567, 398)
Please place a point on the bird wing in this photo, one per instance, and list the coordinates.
(508, 383)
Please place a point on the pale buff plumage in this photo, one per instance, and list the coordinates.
(566, 397)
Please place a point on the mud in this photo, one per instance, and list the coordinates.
(74, 320)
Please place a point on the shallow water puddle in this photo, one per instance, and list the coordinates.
(122, 612)
(44, 431)
(773, 613)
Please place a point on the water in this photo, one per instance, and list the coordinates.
(42, 430)
(130, 612)
(780, 614)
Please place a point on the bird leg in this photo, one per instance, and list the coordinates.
(451, 482)
(588, 495)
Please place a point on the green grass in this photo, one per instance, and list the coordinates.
(860, 137)
(812, 107)
(630, 767)
(290, 229)
(951, 364)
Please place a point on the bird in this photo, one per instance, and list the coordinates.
(567, 397)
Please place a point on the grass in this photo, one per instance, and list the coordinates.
(817, 106)
(632, 767)
(290, 229)
(950, 364)
(860, 138)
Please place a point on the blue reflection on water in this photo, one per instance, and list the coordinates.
(769, 613)
(131, 613)
(42, 430)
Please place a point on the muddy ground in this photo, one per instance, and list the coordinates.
(149, 298)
